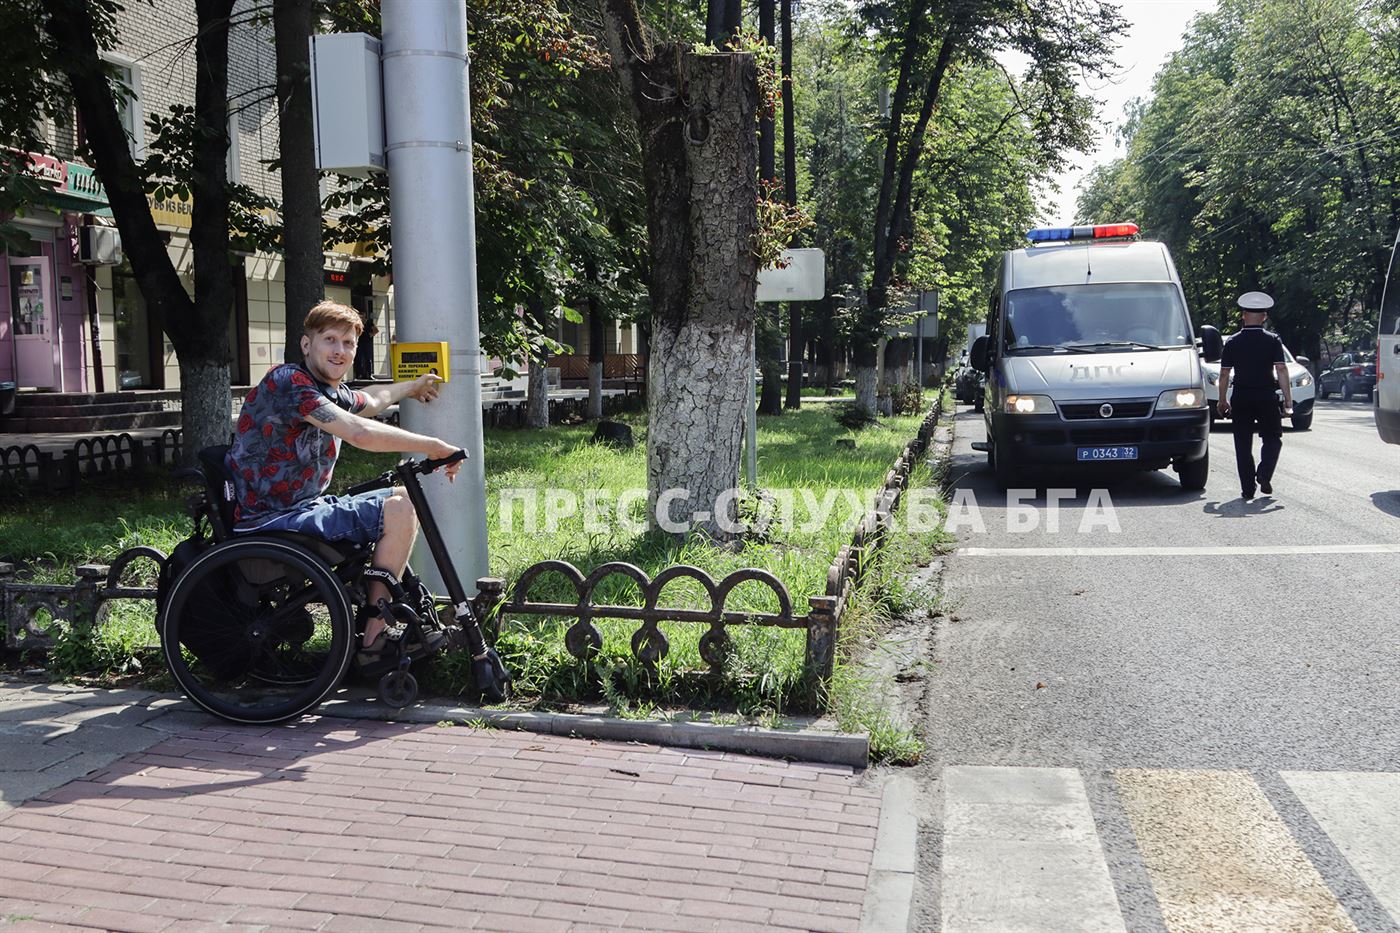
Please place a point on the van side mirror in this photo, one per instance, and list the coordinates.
(979, 354)
(1212, 346)
(1303, 361)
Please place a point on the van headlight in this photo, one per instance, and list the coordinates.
(1303, 380)
(1029, 405)
(1181, 398)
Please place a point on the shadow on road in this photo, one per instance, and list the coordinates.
(1387, 501)
(1239, 508)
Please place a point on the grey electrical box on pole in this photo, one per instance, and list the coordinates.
(428, 145)
(347, 103)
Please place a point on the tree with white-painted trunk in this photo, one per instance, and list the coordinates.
(695, 114)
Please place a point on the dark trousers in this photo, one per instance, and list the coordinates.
(364, 358)
(1251, 412)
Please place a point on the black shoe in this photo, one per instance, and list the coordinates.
(1247, 494)
(1266, 488)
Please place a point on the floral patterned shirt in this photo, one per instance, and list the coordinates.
(279, 461)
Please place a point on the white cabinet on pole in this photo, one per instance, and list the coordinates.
(348, 103)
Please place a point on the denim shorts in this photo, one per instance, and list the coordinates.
(358, 519)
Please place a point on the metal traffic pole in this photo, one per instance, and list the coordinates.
(428, 143)
(919, 343)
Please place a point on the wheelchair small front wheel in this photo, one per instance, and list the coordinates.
(257, 631)
(397, 689)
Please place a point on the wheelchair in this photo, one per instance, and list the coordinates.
(260, 627)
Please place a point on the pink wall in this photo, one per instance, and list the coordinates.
(71, 312)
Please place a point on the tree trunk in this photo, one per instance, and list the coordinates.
(303, 262)
(863, 362)
(597, 347)
(770, 341)
(207, 408)
(767, 168)
(197, 328)
(827, 363)
(795, 341)
(207, 353)
(722, 21)
(699, 158)
(537, 380)
(770, 400)
(537, 396)
(698, 387)
(897, 354)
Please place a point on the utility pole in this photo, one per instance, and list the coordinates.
(428, 145)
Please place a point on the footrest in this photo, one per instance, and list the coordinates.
(983, 446)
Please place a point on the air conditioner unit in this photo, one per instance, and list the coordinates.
(99, 246)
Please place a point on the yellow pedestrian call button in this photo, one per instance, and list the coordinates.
(412, 360)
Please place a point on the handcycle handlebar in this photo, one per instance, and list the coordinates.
(427, 466)
(388, 478)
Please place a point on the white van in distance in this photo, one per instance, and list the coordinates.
(1385, 400)
(1091, 360)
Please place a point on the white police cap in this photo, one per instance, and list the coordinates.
(1256, 301)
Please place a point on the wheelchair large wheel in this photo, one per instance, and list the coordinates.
(257, 631)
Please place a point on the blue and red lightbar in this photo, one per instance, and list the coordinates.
(1096, 232)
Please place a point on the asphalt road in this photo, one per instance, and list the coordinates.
(1182, 713)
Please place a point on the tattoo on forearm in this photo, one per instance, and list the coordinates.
(325, 413)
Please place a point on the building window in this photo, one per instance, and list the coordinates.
(233, 165)
(126, 81)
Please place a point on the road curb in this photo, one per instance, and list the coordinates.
(851, 749)
(889, 895)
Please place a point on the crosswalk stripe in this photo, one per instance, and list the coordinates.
(1021, 853)
(1220, 858)
(1361, 814)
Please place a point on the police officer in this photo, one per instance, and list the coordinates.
(1255, 357)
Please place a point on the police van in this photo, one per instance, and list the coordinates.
(1385, 399)
(1091, 360)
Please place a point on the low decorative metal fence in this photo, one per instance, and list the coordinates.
(649, 643)
(31, 609)
(853, 560)
(108, 453)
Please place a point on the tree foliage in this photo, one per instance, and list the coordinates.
(1266, 158)
(989, 141)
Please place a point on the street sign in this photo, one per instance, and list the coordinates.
(801, 278)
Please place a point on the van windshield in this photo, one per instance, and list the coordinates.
(1128, 316)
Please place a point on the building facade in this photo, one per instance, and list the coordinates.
(67, 326)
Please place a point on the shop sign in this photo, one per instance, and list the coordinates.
(47, 168)
(84, 183)
(171, 211)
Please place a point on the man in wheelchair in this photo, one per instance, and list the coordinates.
(285, 447)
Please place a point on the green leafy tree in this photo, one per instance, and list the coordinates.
(922, 47)
(1266, 157)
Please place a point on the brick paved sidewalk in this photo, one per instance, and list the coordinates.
(344, 826)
